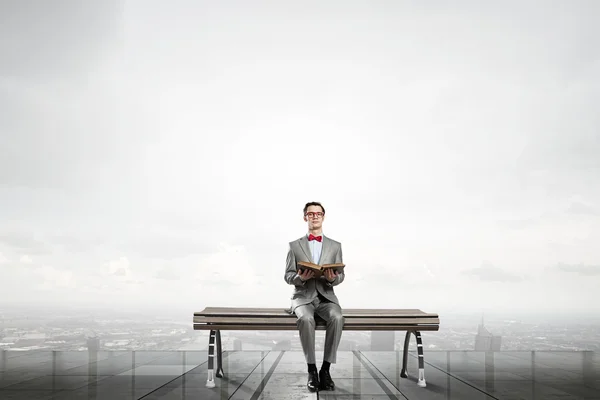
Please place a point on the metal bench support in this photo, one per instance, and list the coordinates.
(214, 340)
(421, 381)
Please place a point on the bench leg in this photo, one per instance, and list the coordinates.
(421, 381)
(210, 382)
(405, 355)
(214, 341)
(219, 373)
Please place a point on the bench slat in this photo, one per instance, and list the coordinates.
(287, 327)
(281, 313)
(278, 310)
(292, 320)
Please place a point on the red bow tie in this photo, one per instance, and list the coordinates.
(317, 238)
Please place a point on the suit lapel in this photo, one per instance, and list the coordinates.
(305, 248)
(324, 250)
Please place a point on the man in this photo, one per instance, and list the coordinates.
(313, 295)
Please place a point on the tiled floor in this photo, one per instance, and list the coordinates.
(281, 375)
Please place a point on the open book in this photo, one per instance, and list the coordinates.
(320, 269)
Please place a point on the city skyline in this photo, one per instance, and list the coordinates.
(67, 330)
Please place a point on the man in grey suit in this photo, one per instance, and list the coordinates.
(313, 295)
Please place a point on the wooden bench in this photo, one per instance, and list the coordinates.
(217, 319)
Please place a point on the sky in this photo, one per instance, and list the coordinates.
(159, 155)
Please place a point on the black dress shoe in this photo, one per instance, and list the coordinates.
(313, 381)
(325, 381)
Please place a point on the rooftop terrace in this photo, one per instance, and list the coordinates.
(281, 375)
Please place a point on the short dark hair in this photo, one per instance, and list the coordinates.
(314, 203)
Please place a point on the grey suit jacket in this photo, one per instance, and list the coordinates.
(306, 292)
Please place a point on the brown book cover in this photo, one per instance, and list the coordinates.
(320, 269)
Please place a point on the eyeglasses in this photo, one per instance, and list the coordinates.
(314, 214)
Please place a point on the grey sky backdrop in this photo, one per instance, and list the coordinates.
(159, 154)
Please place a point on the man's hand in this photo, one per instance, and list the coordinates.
(306, 274)
(330, 275)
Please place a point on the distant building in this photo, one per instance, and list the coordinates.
(27, 340)
(237, 344)
(93, 344)
(485, 340)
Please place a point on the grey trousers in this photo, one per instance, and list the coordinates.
(332, 314)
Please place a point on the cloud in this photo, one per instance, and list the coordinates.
(169, 246)
(3, 259)
(25, 259)
(551, 217)
(56, 278)
(580, 208)
(119, 268)
(76, 243)
(428, 271)
(230, 265)
(168, 274)
(522, 223)
(580, 269)
(491, 273)
(24, 243)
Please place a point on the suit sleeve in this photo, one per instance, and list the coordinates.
(291, 275)
(340, 277)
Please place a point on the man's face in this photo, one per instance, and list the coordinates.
(314, 216)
